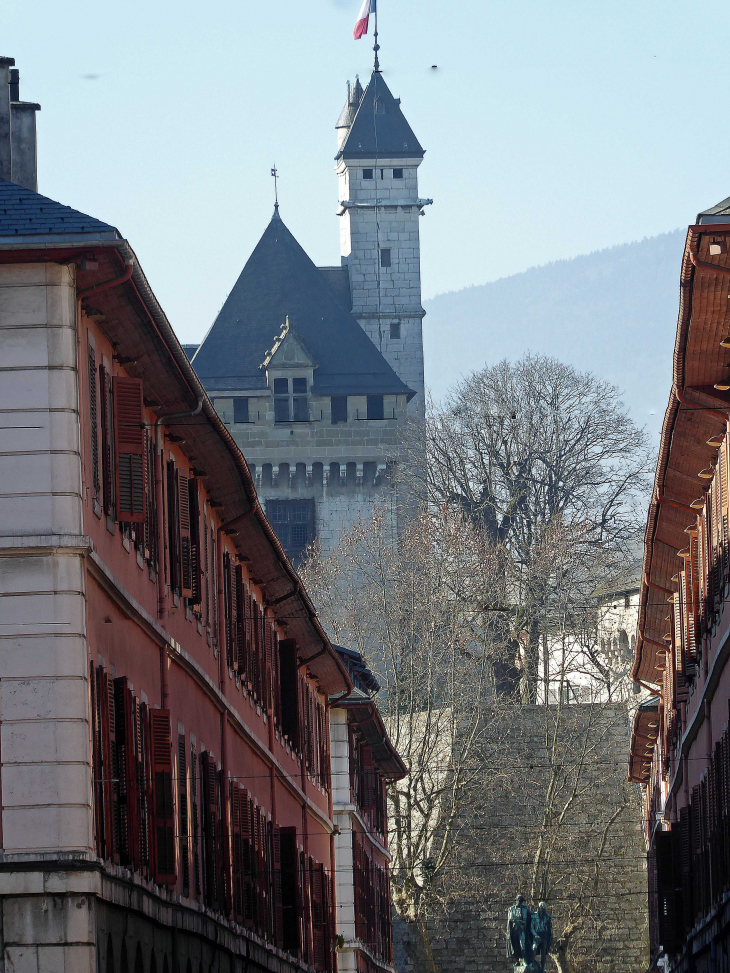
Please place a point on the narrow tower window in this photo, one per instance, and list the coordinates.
(281, 400)
(375, 407)
(395, 329)
(397, 173)
(385, 257)
(240, 409)
(339, 409)
(367, 173)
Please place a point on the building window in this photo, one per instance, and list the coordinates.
(240, 409)
(300, 401)
(367, 173)
(339, 409)
(281, 400)
(397, 173)
(375, 407)
(395, 329)
(385, 257)
(293, 521)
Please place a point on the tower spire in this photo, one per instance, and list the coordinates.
(275, 174)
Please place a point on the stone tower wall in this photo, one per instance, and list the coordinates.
(382, 296)
(488, 867)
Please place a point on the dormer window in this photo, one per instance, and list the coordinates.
(291, 400)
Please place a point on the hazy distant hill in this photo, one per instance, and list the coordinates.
(613, 312)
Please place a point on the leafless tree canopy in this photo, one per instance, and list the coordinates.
(531, 453)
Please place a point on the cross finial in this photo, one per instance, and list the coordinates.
(275, 174)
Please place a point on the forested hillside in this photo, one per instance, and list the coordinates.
(613, 312)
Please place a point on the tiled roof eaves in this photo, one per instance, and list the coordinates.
(695, 349)
(70, 238)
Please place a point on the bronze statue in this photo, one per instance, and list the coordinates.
(542, 932)
(519, 932)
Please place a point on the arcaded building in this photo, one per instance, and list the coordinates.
(316, 370)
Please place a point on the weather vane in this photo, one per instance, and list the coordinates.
(275, 174)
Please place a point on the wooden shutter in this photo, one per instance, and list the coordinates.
(107, 442)
(665, 889)
(267, 690)
(247, 851)
(196, 566)
(226, 894)
(236, 851)
(127, 790)
(130, 459)
(161, 738)
(210, 810)
(182, 804)
(278, 908)
(316, 874)
(186, 554)
(367, 769)
(109, 751)
(94, 424)
(97, 764)
(240, 610)
(290, 897)
(147, 827)
(196, 817)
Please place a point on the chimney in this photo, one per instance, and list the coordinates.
(24, 163)
(5, 154)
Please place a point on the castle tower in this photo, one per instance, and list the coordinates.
(377, 166)
(313, 404)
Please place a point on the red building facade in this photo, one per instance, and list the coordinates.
(680, 746)
(165, 682)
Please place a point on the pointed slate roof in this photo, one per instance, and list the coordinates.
(384, 133)
(25, 215)
(278, 280)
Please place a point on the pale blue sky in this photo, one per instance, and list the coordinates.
(551, 128)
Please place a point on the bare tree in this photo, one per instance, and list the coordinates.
(522, 449)
(408, 608)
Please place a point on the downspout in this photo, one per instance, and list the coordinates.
(159, 500)
(331, 812)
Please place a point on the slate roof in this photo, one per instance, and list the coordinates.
(25, 215)
(339, 280)
(382, 134)
(716, 214)
(278, 280)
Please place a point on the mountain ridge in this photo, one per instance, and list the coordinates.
(611, 311)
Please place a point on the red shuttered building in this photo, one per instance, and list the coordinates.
(680, 745)
(165, 681)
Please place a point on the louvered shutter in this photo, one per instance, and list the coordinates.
(128, 796)
(318, 943)
(210, 809)
(107, 442)
(240, 602)
(161, 738)
(276, 675)
(368, 779)
(182, 804)
(109, 730)
(290, 897)
(268, 694)
(196, 817)
(237, 854)
(186, 553)
(247, 849)
(129, 430)
(665, 889)
(147, 827)
(277, 884)
(196, 581)
(232, 649)
(94, 424)
(261, 843)
(97, 763)
(226, 890)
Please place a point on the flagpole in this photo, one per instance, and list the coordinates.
(376, 46)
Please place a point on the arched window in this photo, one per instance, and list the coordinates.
(109, 955)
(124, 962)
(301, 474)
(334, 480)
(283, 482)
(351, 474)
(317, 474)
(623, 641)
(153, 962)
(138, 960)
(266, 475)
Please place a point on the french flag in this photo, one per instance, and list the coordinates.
(361, 27)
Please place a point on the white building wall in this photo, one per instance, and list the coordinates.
(343, 810)
(44, 735)
(383, 212)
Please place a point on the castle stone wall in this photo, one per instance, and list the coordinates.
(498, 840)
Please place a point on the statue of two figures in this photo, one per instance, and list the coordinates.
(529, 936)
